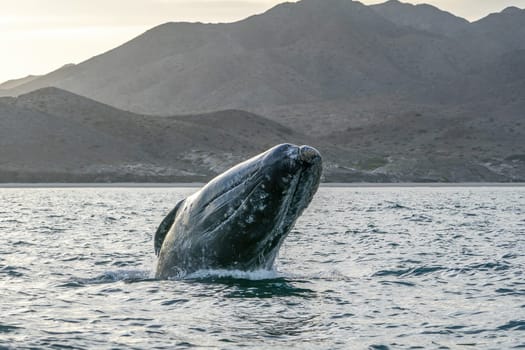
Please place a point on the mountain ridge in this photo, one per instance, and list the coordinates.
(275, 59)
(349, 77)
(422, 16)
(52, 135)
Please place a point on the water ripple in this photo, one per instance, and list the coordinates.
(513, 326)
(376, 268)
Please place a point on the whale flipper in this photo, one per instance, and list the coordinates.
(164, 227)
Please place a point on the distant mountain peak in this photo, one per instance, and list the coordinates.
(45, 90)
(509, 13)
(396, 3)
(404, 5)
(511, 10)
(10, 84)
(327, 5)
(421, 16)
(49, 91)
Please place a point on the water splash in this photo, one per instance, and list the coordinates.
(256, 275)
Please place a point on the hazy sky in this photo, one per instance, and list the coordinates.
(38, 36)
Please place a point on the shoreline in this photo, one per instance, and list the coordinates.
(197, 185)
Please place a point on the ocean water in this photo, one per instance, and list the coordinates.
(364, 268)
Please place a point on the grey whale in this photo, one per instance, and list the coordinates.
(240, 218)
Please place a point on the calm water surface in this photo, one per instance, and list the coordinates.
(364, 268)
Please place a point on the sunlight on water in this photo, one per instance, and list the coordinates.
(364, 268)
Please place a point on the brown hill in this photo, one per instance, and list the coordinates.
(53, 135)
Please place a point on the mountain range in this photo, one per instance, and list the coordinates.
(54, 135)
(389, 92)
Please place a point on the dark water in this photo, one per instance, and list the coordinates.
(365, 268)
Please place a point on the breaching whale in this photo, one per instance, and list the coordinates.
(240, 218)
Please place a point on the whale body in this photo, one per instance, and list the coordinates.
(240, 218)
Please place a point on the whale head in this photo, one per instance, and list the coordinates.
(240, 219)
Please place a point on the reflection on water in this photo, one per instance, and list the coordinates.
(364, 268)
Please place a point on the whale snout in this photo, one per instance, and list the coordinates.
(309, 155)
(285, 164)
(291, 159)
(289, 152)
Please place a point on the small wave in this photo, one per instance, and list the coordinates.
(128, 276)
(378, 347)
(256, 275)
(423, 270)
(418, 218)
(250, 284)
(174, 301)
(22, 243)
(330, 275)
(12, 221)
(71, 284)
(516, 325)
(415, 271)
(124, 275)
(5, 328)
(395, 205)
(11, 271)
(508, 291)
(496, 266)
(401, 283)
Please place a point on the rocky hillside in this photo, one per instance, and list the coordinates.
(389, 92)
(54, 135)
(51, 135)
